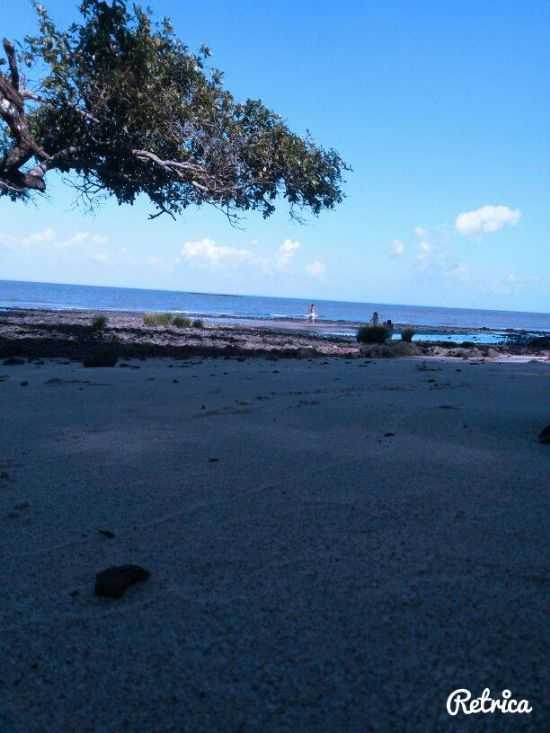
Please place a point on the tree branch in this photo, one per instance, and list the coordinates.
(188, 172)
(12, 62)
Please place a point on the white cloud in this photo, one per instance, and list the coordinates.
(397, 248)
(289, 247)
(48, 241)
(208, 252)
(486, 219)
(316, 269)
(83, 238)
(48, 235)
(153, 261)
(458, 272)
(425, 250)
(420, 232)
(101, 257)
(287, 250)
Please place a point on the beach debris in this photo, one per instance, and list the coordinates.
(13, 361)
(544, 435)
(107, 533)
(113, 582)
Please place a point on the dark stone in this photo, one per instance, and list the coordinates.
(13, 361)
(115, 581)
(106, 533)
(24, 384)
(544, 436)
(213, 460)
(389, 435)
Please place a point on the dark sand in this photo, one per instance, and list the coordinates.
(320, 576)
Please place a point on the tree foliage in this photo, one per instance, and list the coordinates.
(125, 108)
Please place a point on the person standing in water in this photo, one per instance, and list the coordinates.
(312, 314)
(375, 318)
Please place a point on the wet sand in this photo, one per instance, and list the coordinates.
(334, 545)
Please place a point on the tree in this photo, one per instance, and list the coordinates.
(124, 108)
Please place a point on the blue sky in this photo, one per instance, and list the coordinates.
(443, 111)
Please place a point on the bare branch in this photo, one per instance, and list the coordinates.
(12, 62)
(188, 172)
(162, 210)
(26, 94)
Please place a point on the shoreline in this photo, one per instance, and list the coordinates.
(36, 333)
(322, 326)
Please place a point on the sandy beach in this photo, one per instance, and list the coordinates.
(334, 544)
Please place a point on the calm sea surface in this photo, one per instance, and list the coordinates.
(62, 297)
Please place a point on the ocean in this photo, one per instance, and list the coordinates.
(342, 315)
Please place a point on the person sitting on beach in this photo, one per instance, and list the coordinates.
(388, 324)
